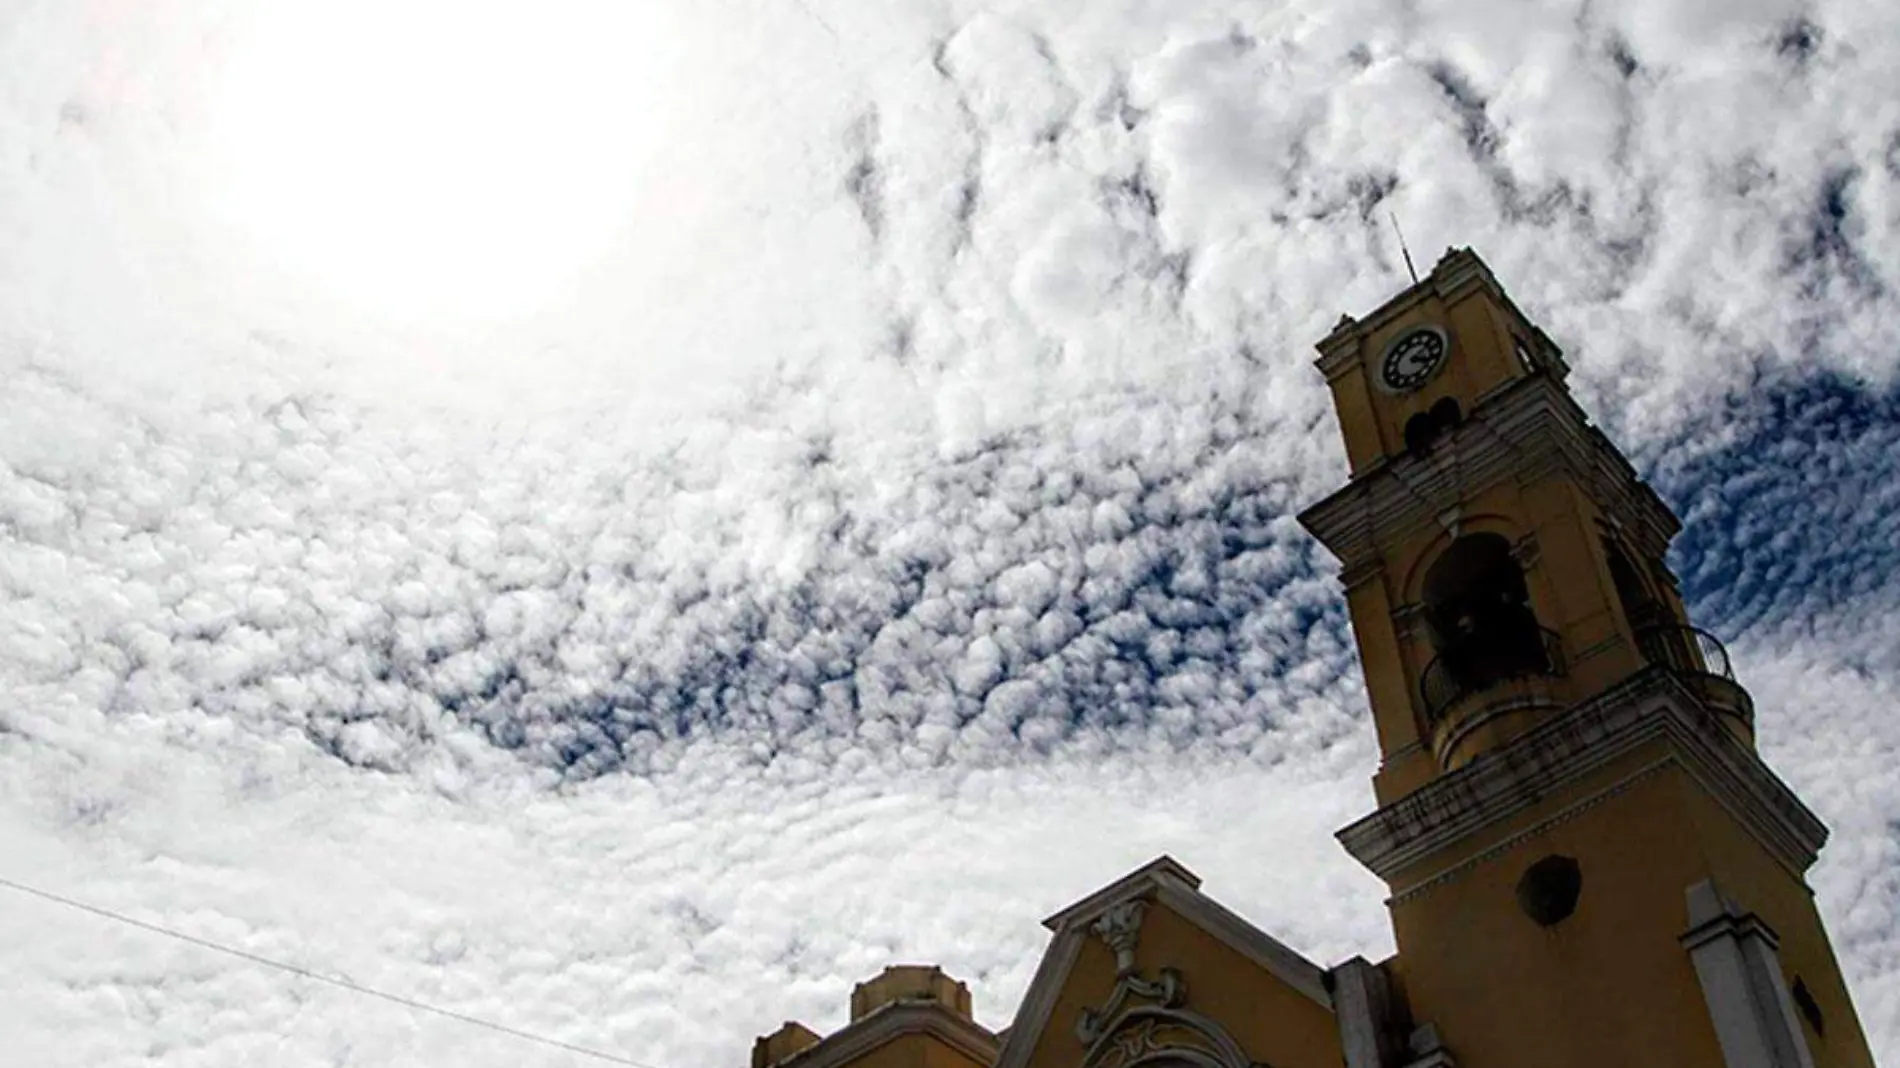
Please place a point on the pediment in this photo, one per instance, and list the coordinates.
(1149, 971)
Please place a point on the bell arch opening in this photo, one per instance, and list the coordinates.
(1478, 615)
(1423, 430)
(1640, 607)
(1660, 637)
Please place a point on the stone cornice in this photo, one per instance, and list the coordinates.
(1648, 707)
(1426, 885)
(1039, 1001)
(1166, 882)
(1275, 957)
(1141, 882)
(1528, 429)
(893, 1021)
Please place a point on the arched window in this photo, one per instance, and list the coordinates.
(1424, 429)
(1478, 612)
(1639, 607)
(1659, 637)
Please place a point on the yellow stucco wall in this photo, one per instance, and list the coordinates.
(1272, 1021)
(1570, 593)
(1758, 883)
(1609, 985)
(1612, 984)
(916, 1050)
(1558, 524)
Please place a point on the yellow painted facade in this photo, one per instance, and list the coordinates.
(1588, 862)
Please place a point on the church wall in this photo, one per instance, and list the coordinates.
(916, 1050)
(1568, 584)
(1608, 985)
(1747, 873)
(1274, 1023)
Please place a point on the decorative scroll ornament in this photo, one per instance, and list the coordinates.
(1120, 928)
(1150, 1037)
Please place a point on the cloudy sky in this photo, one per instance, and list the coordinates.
(622, 521)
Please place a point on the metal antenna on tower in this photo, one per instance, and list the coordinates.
(1407, 253)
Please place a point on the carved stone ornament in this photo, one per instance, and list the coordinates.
(1120, 928)
(1156, 1037)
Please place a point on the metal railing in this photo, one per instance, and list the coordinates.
(1699, 659)
(1684, 648)
(1458, 673)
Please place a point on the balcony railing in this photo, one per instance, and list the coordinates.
(1684, 648)
(1697, 658)
(1458, 673)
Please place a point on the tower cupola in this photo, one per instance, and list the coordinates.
(1502, 559)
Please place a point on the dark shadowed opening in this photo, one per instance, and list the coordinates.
(1423, 430)
(1477, 608)
(1810, 1009)
(1548, 890)
(1641, 609)
(1660, 637)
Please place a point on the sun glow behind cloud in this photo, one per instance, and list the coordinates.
(437, 161)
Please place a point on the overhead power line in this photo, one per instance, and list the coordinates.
(355, 988)
(816, 17)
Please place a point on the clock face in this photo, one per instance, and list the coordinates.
(1413, 359)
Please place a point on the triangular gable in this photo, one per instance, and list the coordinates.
(1149, 968)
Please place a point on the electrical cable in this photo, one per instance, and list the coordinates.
(306, 973)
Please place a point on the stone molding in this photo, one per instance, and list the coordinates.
(1651, 705)
(1273, 956)
(1039, 1001)
(1542, 827)
(1120, 929)
(1737, 962)
(1163, 881)
(1166, 881)
(1529, 428)
(1166, 1036)
(1364, 1009)
(1169, 992)
(1143, 881)
(893, 1021)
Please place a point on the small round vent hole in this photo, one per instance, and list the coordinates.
(1548, 889)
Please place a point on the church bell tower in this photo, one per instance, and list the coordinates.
(1589, 863)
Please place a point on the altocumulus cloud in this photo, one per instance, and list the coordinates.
(892, 539)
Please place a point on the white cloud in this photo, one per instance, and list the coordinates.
(907, 488)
